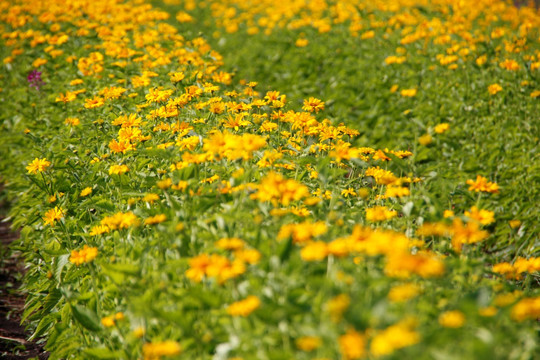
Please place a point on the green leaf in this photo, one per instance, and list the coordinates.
(129, 269)
(285, 251)
(104, 205)
(104, 353)
(86, 318)
(118, 272)
(44, 325)
(58, 265)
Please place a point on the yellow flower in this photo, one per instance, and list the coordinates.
(395, 60)
(530, 265)
(363, 192)
(230, 243)
(482, 184)
(52, 215)
(214, 266)
(76, 82)
(38, 165)
(337, 306)
(393, 338)
(528, 308)
(484, 217)
(68, 97)
(441, 128)
(508, 64)
(396, 191)
(403, 265)
(301, 42)
(348, 192)
(177, 76)
(368, 35)
(514, 223)
(108, 321)
(150, 198)
(274, 187)
(99, 229)
(72, 121)
(184, 17)
(152, 220)
(118, 169)
(39, 62)
(85, 255)
(94, 103)
(197, 267)
(86, 191)
(381, 176)
(481, 60)
(308, 343)
(487, 311)
(408, 92)
(425, 139)
(154, 351)
(467, 234)
(379, 213)
(505, 299)
(120, 220)
(403, 292)
(314, 251)
(313, 105)
(244, 307)
(250, 256)
(452, 319)
(164, 184)
(139, 332)
(494, 88)
(352, 345)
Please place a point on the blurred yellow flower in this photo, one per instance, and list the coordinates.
(441, 128)
(482, 184)
(403, 292)
(409, 92)
(425, 139)
(393, 338)
(352, 345)
(526, 309)
(244, 307)
(514, 223)
(494, 88)
(308, 343)
(85, 255)
(301, 42)
(379, 213)
(452, 319)
(156, 350)
(484, 217)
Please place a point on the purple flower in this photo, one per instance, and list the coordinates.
(34, 79)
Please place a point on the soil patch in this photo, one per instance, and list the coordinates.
(13, 337)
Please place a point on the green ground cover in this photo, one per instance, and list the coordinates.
(250, 180)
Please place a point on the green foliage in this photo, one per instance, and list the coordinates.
(129, 263)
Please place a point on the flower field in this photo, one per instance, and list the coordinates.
(228, 179)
